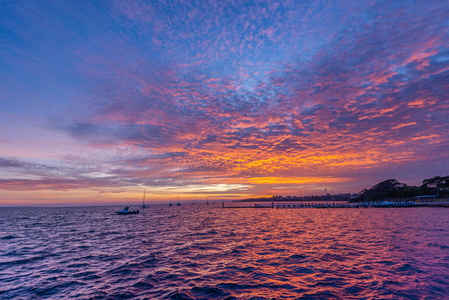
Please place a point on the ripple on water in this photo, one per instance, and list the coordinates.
(204, 252)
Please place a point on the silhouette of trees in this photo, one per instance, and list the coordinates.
(392, 188)
(437, 185)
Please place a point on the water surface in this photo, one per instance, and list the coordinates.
(205, 252)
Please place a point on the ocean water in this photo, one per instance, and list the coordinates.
(206, 252)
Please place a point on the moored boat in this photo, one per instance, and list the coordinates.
(143, 201)
(126, 211)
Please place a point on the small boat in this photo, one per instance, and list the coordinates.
(126, 211)
(178, 201)
(143, 201)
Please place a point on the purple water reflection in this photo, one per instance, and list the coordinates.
(205, 252)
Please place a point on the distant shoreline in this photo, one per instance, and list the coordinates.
(286, 200)
(329, 197)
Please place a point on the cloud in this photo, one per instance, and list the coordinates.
(232, 92)
(19, 164)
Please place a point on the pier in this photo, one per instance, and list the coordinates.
(373, 204)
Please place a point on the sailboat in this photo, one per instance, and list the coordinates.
(178, 201)
(143, 201)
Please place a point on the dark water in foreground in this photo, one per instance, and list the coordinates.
(205, 252)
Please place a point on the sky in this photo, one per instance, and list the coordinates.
(101, 100)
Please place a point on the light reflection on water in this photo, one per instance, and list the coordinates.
(202, 252)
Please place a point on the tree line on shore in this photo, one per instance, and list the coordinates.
(393, 189)
(388, 189)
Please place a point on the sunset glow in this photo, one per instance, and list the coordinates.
(220, 99)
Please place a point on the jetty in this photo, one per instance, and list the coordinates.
(418, 202)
